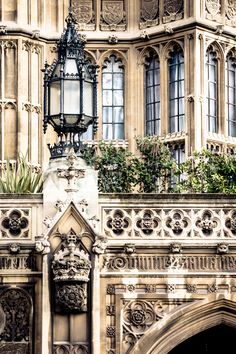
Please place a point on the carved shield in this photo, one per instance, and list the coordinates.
(213, 6)
(112, 12)
(83, 11)
(149, 9)
(231, 9)
(173, 6)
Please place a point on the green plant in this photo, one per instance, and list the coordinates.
(20, 177)
(207, 172)
(116, 168)
(156, 165)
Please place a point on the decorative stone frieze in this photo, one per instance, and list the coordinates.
(173, 10)
(153, 263)
(15, 223)
(149, 13)
(113, 16)
(84, 14)
(177, 224)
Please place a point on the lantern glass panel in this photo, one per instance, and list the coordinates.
(72, 97)
(88, 98)
(55, 98)
(71, 67)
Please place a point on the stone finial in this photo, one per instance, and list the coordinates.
(72, 174)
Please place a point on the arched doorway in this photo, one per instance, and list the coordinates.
(218, 339)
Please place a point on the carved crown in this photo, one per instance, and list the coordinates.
(71, 263)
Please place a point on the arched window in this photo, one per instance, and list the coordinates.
(212, 91)
(176, 91)
(152, 97)
(113, 98)
(231, 95)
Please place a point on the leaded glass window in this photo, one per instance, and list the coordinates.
(231, 95)
(113, 98)
(176, 91)
(152, 97)
(212, 91)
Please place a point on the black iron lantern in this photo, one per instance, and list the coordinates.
(70, 92)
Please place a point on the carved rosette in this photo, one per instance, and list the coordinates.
(113, 17)
(213, 8)
(14, 223)
(71, 267)
(118, 223)
(149, 13)
(84, 14)
(230, 223)
(178, 223)
(173, 10)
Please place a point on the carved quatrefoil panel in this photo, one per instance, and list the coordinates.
(147, 223)
(177, 223)
(14, 223)
(118, 223)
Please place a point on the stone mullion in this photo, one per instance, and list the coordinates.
(95, 304)
(2, 100)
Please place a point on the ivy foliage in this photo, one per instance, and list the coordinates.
(20, 177)
(208, 172)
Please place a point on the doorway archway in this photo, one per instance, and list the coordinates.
(186, 322)
(218, 339)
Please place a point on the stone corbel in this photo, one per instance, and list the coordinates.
(42, 246)
(100, 244)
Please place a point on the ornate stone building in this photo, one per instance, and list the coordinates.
(82, 272)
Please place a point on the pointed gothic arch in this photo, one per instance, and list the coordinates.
(185, 322)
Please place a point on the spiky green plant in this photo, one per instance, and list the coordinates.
(20, 177)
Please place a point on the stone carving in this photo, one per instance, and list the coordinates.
(84, 14)
(42, 246)
(177, 224)
(17, 307)
(230, 9)
(207, 223)
(150, 288)
(175, 247)
(149, 13)
(14, 248)
(15, 223)
(71, 297)
(230, 222)
(111, 289)
(213, 288)
(113, 39)
(222, 248)
(138, 317)
(111, 331)
(71, 268)
(113, 16)
(170, 288)
(191, 288)
(100, 244)
(173, 10)
(18, 262)
(110, 310)
(70, 349)
(71, 263)
(16, 348)
(148, 222)
(213, 8)
(72, 174)
(118, 222)
(147, 263)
